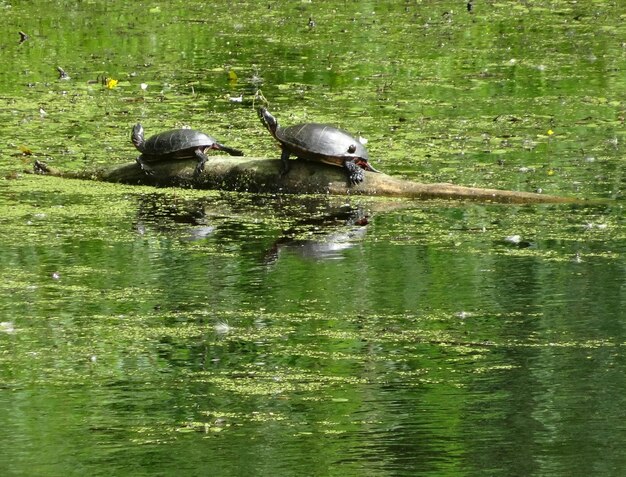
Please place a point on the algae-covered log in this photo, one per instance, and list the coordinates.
(263, 175)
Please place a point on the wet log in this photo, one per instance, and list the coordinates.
(262, 175)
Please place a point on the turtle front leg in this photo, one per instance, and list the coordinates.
(355, 173)
(284, 157)
(144, 167)
(202, 158)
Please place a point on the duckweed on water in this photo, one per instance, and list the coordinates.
(135, 336)
(142, 321)
(281, 384)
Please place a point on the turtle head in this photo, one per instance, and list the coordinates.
(137, 136)
(365, 165)
(268, 120)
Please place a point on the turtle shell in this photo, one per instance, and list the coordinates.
(176, 141)
(321, 142)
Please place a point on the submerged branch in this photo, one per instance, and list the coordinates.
(263, 175)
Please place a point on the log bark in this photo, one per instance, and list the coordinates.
(262, 175)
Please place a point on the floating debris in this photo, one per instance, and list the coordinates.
(517, 241)
(7, 327)
(222, 328)
(256, 79)
(25, 150)
(591, 225)
(62, 74)
(40, 167)
(23, 36)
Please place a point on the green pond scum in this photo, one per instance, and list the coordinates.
(170, 331)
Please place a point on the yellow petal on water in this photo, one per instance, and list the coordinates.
(550, 132)
(232, 76)
(111, 83)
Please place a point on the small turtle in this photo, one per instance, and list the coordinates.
(176, 144)
(319, 142)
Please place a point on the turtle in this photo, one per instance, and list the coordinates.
(176, 144)
(321, 143)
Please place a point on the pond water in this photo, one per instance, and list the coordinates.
(154, 331)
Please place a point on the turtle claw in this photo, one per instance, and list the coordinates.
(356, 179)
(284, 170)
(198, 170)
(355, 173)
(147, 170)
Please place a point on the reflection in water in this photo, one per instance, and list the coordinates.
(329, 237)
(322, 247)
(311, 228)
(190, 347)
(164, 214)
(199, 233)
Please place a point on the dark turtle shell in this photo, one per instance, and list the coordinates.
(176, 144)
(176, 141)
(321, 142)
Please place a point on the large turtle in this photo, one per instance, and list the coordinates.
(319, 142)
(176, 144)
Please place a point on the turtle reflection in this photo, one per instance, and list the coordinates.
(265, 227)
(322, 239)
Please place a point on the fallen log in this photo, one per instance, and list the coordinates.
(262, 175)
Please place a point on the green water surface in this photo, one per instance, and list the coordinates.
(177, 332)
